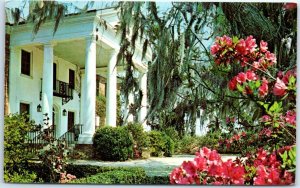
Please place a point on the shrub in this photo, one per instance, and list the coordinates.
(16, 128)
(21, 177)
(187, 144)
(117, 176)
(160, 144)
(140, 138)
(113, 144)
(157, 143)
(210, 140)
(169, 144)
(157, 180)
(173, 134)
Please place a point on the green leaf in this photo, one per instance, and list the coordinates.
(235, 39)
(240, 88)
(274, 107)
(284, 156)
(224, 52)
(257, 83)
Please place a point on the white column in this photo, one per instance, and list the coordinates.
(47, 89)
(14, 73)
(143, 110)
(111, 91)
(82, 92)
(88, 96)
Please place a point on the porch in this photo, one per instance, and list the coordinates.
(76, 49)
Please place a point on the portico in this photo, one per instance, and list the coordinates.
(78, 46)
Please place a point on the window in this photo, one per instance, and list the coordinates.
(25, 109)
(25, 62)
(71, 78)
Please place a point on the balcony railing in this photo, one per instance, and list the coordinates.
(63, 90)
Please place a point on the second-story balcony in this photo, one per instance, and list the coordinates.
(63, 90)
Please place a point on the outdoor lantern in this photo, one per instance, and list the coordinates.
(39, 108)
(64, 112)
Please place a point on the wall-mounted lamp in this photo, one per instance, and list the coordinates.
(39, 108)
(64, 112)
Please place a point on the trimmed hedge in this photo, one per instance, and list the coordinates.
(101, 174)
(118, 176)
(113, 144)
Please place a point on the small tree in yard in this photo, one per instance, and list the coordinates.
(54, 155)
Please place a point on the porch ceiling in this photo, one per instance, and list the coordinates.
(74, 52)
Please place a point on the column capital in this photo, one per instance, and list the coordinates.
(50, 44)
(91, 38)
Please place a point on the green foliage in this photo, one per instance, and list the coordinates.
(140, 138)
(54, 154)
(138, 134)
(173, 134)
(113, 144)
(157, 180)
(289, 159)
(100, 108)
(170, 146)
(22, 177)
(191, 144)
(16, 128)
(187, 145)
(210, 140)
(161, 144)
(118, 176)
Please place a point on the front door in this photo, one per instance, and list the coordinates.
(71, 121)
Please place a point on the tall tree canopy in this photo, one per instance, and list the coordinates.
(182, 77)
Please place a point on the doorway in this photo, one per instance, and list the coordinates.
(71, 121)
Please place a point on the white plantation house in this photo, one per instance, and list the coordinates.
(57, 74)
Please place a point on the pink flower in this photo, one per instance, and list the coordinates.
(201, 163)
(291, 117)
(227, 40)
(265, 118)
(279, 88)
(263, 46)
(241, 47)
(256, 65)
(176, 175)
(241, 77)
(190, 168)
(214, 48)
(263, 89)
(251, 75)
(270, 57)
(250, 44)
(280, 74)
(287, 76)
(290, 6)
(232, 83)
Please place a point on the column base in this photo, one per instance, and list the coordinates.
(85, 139)
(146, 127)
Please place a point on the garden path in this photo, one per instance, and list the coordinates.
(158, 166)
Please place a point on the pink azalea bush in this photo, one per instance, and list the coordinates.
(277, 95)
(208, 168)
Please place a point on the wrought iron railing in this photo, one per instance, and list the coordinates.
(37, 138)
(64, 90)
(71, 136)
(61, 89)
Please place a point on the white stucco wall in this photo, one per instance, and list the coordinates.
(27, 88)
